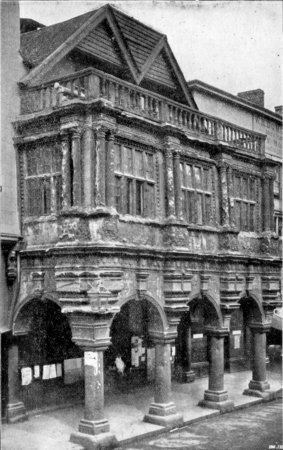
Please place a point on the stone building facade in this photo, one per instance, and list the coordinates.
(145, 227)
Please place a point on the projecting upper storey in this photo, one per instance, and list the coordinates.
(107, 55)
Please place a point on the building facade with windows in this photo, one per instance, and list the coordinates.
(247, 109)
(145, 228)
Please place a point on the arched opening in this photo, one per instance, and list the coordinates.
(238, 344)
(50, 364)
(130, 334)
(192, 345)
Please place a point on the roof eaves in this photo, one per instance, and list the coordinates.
(198, 84)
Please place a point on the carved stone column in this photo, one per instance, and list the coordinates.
(16, 411)
(216, 397)
(90, 332)
(88, 145)
(267, 202)
(110, 167)
(230, 194)
(100, 167)
(77, 168)
(258, 385)
(169, 183)
(177, 185)
(66, 171)
(163, 410)
(224, 205)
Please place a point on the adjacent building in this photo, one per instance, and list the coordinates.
(147, 228)
(247, 109)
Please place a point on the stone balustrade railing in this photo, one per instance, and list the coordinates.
(90, 84)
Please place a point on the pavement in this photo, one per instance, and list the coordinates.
(125, 412)
(258, 427)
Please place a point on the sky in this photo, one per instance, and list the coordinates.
(233, 45)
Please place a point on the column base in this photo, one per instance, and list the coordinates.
(164, 414)
(94, 427)
(217, 400)
(16, 412)
(259, 385)
(98, 442)
(190, 376)
(259, 389)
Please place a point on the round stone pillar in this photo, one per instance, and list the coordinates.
(216, 397)
(66, 170)
(189, 373)
(110, 171)
(163, 411)
(77, 170)
(16, 411)
(170, 183)
(93, 339)
(258, 385)
(100, 185)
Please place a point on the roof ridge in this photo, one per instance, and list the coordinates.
(116, 8)
(48, 27)
(235, 96)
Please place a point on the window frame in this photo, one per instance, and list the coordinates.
(134, 184)
(46, 198)
(245, 220)
(196, 209)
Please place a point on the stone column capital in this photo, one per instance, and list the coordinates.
(219, 333)
(260, 327)
(76, 133)
(163, 338)
(100, 131)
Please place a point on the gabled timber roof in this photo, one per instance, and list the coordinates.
(141, 47)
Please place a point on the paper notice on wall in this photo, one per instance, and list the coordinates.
(91, 359)
(52, 373)
(59, 369)
(36, 371)
(237, 341)
(26, 373)
(135, 357)
(46, 372)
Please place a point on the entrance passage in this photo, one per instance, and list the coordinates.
(192, 345)
(131, 344)
(50, 364)
(237, 346)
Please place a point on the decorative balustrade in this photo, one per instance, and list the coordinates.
(90, 84)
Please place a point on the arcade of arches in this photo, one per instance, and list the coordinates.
(48, 364)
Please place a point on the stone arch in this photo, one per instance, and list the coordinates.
(212, 305)
(132, 331)
(253, 308)
(21, 320)
(192, 344)
(151, 300)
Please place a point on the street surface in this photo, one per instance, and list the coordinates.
(255, 428)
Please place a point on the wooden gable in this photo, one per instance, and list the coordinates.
(161, 72)
(102, 44)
